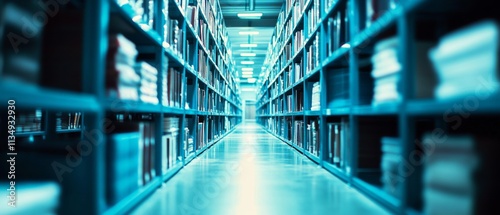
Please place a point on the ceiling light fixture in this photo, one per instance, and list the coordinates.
(252, 80)
(248, 54)
(248, 45)
(247, 73)
(249, 15)
(247, 69)
(247, 62)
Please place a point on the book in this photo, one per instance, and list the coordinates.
(201, 135)
(337, 87)
(315, 98)
(20, 59)
(122, 81)
(123, 170)
(66, 121)
(390, 161)
(466, 54)
(148, 90)
(456, 158)
(170, 138)
(386, 71)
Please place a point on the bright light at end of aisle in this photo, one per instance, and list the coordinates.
(248, 54)
(248, 45)
(249, 32)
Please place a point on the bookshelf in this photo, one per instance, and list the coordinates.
(146, 87)
(382, 94)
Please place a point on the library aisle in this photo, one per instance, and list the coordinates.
(253, 172)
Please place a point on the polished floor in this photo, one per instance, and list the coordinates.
(250, 172)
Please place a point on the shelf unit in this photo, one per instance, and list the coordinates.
(347, 40)
(199, 58)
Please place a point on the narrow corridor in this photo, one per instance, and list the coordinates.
(251, 172)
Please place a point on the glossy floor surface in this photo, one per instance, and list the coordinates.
(250, 172)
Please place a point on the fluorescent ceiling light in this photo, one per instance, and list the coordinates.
(249, 15)
(249, 32)
(248, 45)
(247, 62)
(248, 54)
(247, 73)
(246, 69)
(252, 80)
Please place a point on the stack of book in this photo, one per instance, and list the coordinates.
(450, 175)
(386, 71)
(148, 91)
(466, 59)
(316, 92)
(19, 60)
(169, 142)
(29, 121)
(391, 159)
(121, 79)
(124, 162)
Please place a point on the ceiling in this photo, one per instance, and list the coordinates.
(265, 26)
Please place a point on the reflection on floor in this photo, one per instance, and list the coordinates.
(251, 172)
